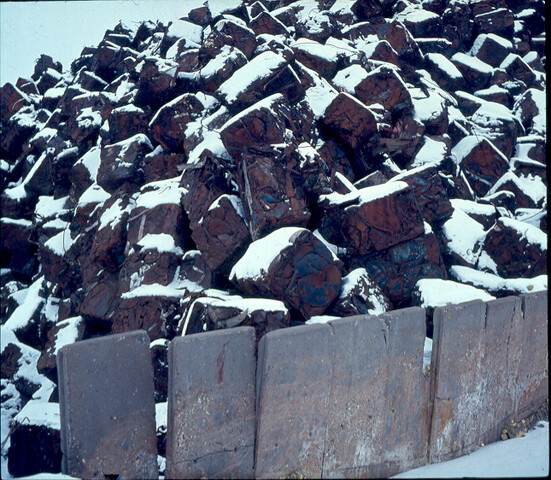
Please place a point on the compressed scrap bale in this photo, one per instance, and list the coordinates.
(17, 251)
(109, 242)
(158, 210)
(530, 108)
(157, 84)
(65, 332)
(397, 269)
(151, 309)
(359, 295)
(121, 162)
(229, 311)
(271, 186)
(481, 161)
(169, 124)
(444, 72)
(218, 69)
(222, 233)
(382, 86)
(36, 425)
(430, 192)
(263, 123)
(229, 32)
(515, 66)
(211, 414)
(124, 122)
(529, 191)
(19, 128)
(491, 49)
(349, 120)
(476, 72)
(97, 298)
(496, 123)
(371, 219)
(516, 249)
(266, 74)
(323, 59)
(107, 407)
(293, 266)
(161, 166)
(204, 181)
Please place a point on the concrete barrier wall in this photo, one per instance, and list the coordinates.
(107, 407)
(346, 399)
(532, 385)
(349, 399)
(489, 366)
(211, 419)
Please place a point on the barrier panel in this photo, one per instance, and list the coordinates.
(489, 367)
(293, 378)
(533, 379)
(500, 366)
(211, 397)
(107, 408)
(377, 425)
(345, 399)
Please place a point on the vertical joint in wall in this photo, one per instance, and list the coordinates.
(329, 397)
(437, 318)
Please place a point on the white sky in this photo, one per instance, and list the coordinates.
(62, 28)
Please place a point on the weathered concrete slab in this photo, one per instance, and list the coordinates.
(499, 366)
(533, 373)
(378, 423)
(293, 389)
(107, 407)
(458, 350)
(211, 405)
(345, 399)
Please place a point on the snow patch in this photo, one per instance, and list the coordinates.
(256, 261)
(463, 234)
(261, 66)
(364, 195)
(435, 292)
(162, 242)
(494, 283)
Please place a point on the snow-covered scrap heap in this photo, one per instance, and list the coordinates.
(317, 157)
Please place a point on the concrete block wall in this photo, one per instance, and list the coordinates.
(346, 399)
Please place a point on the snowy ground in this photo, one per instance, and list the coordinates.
(517, 457)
